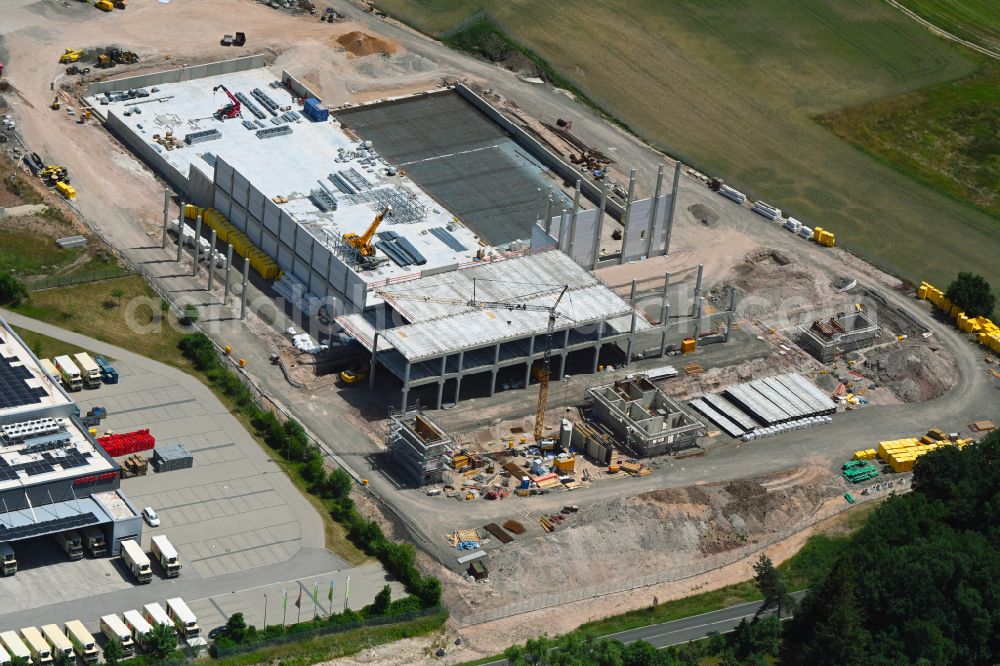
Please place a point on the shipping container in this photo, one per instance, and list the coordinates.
(314, 110)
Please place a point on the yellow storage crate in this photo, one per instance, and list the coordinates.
(922, 290)
(817, 231)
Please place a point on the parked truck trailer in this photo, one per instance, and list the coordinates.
(83, 642)
(183, 618)
(14, 645)
(58, 642)
(165, 553)
(88, 368)
(71, 377)
(4, 657)
(50, 369)
(8, 560)
(115, 630)
(41, 653)
(137, 624)
(93, 541)
(155, 615)
(71, 543)
(136, 561)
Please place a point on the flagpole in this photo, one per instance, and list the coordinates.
(284, 605)
(315, 599)
(347, 592)
(265, 610)
(329, 597)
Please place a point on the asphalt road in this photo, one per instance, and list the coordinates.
(686, 629)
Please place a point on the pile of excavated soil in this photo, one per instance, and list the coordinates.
(362, 44)
(914, 372)
(654, 532)
(767, 281)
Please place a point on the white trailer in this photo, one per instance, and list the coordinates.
(136, 561)
(138, 624)
(39, 648)
(57, 640)
(83, 642)
(184, 619)
(8, 561)
(70, 374)
(14, 645)
(155, 614)
(50, 369)
(93, 541)
(71, 543)
(166, 554)
(91, 373)
(115, 630)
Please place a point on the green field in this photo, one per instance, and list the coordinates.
(976, 21)
(735, 89)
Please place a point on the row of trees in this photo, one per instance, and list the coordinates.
(289, 439)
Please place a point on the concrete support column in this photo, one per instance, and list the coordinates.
(548, 214)
(572, 234)
(246, 284)
(697, 283)
(371, 364)
(597, 347)
(599, 227)
(697, 317)
(631, 339)
(538, 206)
(626, 218)
(197, 246)
(458, 379)
(444, 368)
(406, 385)
(665, 313)
(673, 206)
(229, 265)
(495, 370)
(211, 260)
(527, 370)
(562, 242)
(651, 227)
(565, 353)
(180, 232)
(631, 298)
(166, 216)
(732, 315)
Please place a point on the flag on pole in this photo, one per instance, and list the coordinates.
(316, 593)
(284, 599)
(329, 595)
(347, 591)
(298, 602)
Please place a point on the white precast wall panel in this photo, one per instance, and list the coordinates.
(272, 216)
(223, 175)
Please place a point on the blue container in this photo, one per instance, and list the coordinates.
(315, 111)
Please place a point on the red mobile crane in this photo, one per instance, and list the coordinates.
(230, 110)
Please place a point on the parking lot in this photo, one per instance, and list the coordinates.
(241, 528)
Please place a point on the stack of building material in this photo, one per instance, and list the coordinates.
(823, 237)
(172, 457)
(134, 465)
(399, 249)
(127, 443)
(900, 454)
(857, 471)
(987, 333)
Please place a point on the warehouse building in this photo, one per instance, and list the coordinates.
(53, 476)
(493, 317)
(644, 419)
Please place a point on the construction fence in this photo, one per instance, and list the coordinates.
(81, 277)
(544, 600)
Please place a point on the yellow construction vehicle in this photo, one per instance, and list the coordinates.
(354, 374)
(104, 5)
(71, 55)
(53, 174)
(56, 104)
(363, 243)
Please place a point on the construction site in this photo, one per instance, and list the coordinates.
(539, 362)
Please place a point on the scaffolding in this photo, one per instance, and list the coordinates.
(825, 339)
(417, 446)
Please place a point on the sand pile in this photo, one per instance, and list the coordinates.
(769, 280)
(656, 531)
(362, 44)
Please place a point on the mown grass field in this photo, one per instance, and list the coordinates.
(976, 21)
(735, 88)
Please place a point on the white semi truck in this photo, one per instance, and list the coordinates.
(89, 370)
(115, 630)
(58, 642)
(165, 553)
(93, 541)
(8, 561)
(71, 377)
(83, 642)
(14, 645)
(137, 624)
(136, 561)
(183, 618)
(41, 653)
(71, 543)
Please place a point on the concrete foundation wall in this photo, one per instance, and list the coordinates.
(149, 155)
(297, 86)
(177, 75)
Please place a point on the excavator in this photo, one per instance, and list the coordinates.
(363, 244)
(230, 110)
(113, 56)
(71, 55)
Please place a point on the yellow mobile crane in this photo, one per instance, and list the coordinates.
(363, 243)
(545, 372)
